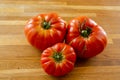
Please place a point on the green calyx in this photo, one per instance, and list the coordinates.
(57, 56)
(86, 32)
(46, 25)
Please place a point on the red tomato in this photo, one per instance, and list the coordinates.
(45, 30)
(86, 37)
(58, 60)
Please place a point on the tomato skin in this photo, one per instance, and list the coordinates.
(52, 66)
(86, 47)
(42, 38)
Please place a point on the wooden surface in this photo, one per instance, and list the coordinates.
(20, 61)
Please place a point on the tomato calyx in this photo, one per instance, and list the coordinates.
(57, 56)
(85, 31)
(45, 25)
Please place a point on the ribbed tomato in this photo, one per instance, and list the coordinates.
(86, 37)
(45, 30)
(58, 60)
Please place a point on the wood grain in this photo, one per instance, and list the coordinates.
(20, 61)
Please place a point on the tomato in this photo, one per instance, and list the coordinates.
(86, 37)
(58, 60)
(45, 30)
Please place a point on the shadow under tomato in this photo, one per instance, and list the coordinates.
(83, 62)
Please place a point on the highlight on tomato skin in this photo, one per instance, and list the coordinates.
(45, 30)
(58, 60)
(86, 37)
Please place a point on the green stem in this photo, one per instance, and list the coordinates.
(57, 56)
(86, 32)
(46, 25)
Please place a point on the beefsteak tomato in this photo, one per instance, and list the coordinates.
(45, 30)
(58, 60)
(86, 37)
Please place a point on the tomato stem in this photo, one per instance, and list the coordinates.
(46, 25)
(57, 56)
(85, 30)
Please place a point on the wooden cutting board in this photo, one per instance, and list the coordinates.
(20, 61)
